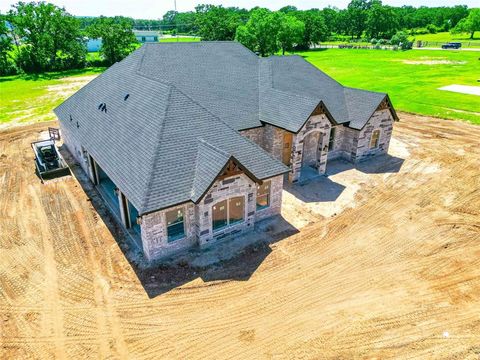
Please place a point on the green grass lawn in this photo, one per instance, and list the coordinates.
(411, 78)
(32, 98)
(436, 40)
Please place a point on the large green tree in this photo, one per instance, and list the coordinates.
(290, 32)
(331, 16)
(117, 37)
(356, 17)
(315, 28)
(6, 66)
(381, 21)
(50, 37)
(216, 23)
(260, 33)
(470, 24)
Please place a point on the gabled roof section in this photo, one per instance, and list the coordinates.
(210, 162)
(294, 75)
(245, 91)
(150, 144)
(361, 105)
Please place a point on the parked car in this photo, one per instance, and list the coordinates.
(452, 45)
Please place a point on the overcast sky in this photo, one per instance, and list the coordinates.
(154, 9)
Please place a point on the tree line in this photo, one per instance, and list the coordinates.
(38, 36)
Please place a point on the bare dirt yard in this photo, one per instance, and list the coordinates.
(385, 264)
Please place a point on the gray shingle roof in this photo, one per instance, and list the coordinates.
(166, 143)
(153, 145)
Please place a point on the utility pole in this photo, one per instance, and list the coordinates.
(176, 25)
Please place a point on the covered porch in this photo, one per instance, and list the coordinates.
(117, 203)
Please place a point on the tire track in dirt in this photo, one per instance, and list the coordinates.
(106, 315)
(51, 294)
(385, 278)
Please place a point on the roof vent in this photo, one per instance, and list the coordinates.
(102, 107)
(78, 125)
(126, 97)
(71, 117)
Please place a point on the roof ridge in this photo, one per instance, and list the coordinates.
(295, 95)
(365, 90)
(206, 143)
(157, 150)
(347, 107)
(314, 67)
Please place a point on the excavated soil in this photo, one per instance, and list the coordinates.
(392, 271)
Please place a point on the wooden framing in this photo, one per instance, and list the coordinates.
(231, 169)
(386, 104)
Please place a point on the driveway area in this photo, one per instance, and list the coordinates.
(378, 260)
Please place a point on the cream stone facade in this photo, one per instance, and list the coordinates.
(320, 140)
(317, 142)
(198, 221)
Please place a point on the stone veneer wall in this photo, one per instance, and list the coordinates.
(240, 185)
(154, 232)
(255, 134)
(273, 141)
(344, 143)
(381, 120)
(268, 137)
(314, 123)
(198, 218)
(276, 191)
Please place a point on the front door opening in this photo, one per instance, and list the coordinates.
(311, 150)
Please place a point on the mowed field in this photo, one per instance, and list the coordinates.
(411, 78)
(31, 99)
(394, 274)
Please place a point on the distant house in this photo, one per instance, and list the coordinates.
(189, 142)
(146, 36)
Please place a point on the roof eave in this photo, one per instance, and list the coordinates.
(390, 107)
(325, 111)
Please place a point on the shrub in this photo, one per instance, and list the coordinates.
(373, 41)
(401, 39)
(432, 29)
